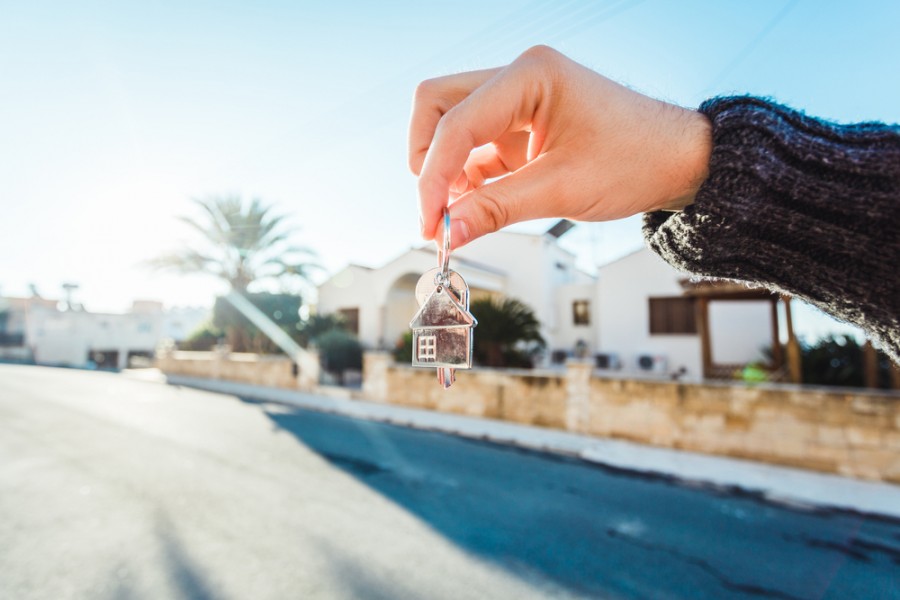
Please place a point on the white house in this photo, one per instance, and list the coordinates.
(46, 332)
(648, 320)
(638, 316)
(379, 303)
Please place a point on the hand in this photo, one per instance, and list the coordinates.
(547, 137)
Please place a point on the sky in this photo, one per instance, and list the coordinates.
(114, 115)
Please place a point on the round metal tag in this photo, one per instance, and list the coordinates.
(427, 285)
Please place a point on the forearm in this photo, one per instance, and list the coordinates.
(799, 205)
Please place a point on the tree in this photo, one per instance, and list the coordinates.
(308, 331)
(282, 309)
(839, 360)
(203, 338)
(240, 243)
(508, 333)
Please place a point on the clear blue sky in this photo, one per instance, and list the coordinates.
(114, 114)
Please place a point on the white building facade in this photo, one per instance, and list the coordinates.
(379, 303)
(44, 332)
(607, 317)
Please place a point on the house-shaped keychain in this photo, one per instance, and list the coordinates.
(442, 332)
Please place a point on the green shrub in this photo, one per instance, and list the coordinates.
(339, 350)
(308, 331)
(203, 338)
(839, 360)
(507, 335)
(403, 348)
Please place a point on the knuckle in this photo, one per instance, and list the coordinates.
(424, 90)
(544, 66)
(454, 126)
(541, 54)
(494, 209)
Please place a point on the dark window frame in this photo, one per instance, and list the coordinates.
(351, 319)
(581, 319)
(672, 315)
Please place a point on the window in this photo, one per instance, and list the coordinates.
(427, 347)
(581, 312)
(351, 319)
(672, 316)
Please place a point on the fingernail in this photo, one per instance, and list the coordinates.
(459, 233)
(421, 226)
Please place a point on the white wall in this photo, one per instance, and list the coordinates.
(66, 337)
(624, 325)
(529, 268)
(739, 330)
(567, 333)
(352, 287)
(180, 322)
(536, 268)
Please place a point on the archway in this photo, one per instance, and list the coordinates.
(399, 308)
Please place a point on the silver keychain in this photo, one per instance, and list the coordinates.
(443, 326)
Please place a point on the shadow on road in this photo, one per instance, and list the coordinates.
(600, 532)
(186, 578)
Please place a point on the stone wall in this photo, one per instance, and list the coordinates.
(523, 397)
(274, 371)
(849, 432)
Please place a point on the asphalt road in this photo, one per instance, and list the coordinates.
(113, 488)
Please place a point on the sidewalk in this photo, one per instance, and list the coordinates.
(781, 484)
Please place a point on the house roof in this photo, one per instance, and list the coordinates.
(725, 289)
(441, 311)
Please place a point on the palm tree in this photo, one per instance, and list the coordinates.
(508, 334)
(240, 243)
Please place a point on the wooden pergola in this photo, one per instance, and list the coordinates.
(785, 362)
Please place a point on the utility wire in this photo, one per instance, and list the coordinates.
(541, 19)
(751, 46)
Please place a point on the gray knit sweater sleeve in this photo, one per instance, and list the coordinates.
(799, 205)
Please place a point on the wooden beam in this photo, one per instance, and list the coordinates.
(795, 373)
(777, 351)
(870, 365)
(703, 330)
(895, 376)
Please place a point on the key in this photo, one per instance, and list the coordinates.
(428, 282)
(443, 326)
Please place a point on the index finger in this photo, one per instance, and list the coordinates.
(507, 102)
(432, 100)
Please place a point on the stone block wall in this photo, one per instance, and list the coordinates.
(274, 371)
(849, 432)
(521, 397)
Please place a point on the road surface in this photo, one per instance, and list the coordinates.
(114, 488)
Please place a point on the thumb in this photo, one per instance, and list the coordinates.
(532, 192)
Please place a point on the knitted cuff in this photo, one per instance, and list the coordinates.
(802, 206)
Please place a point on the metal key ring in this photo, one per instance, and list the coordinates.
(445, 258)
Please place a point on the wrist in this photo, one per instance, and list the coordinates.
(690, 154)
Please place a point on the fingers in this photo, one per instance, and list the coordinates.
(504, 156)
(519, 197)
(505, 103)
(432, 100)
